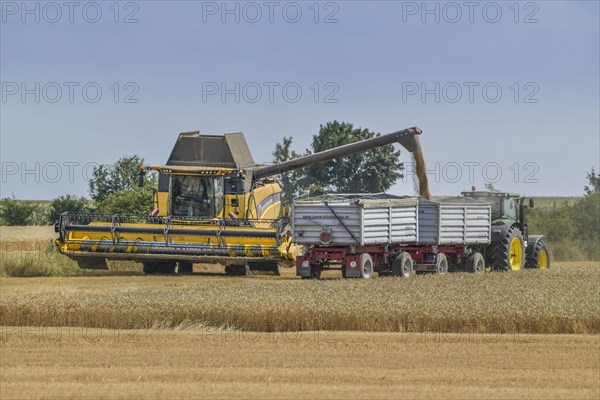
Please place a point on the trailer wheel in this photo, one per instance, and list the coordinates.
(314, 274)
(185, 267)
(366, 266)
(402, 265)
(476, 264)
(441, 264)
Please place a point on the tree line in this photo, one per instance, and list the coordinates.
(571, 228)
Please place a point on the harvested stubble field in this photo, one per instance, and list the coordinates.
(153, 364)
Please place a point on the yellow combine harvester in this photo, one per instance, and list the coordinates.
(213, 204)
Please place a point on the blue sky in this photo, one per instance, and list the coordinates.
(496, 88)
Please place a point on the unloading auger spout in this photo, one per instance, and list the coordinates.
(406, 137)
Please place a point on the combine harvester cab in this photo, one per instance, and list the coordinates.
(213, 205)
(390, 235)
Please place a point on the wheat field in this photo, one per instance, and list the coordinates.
(67, 333)
(564, 299)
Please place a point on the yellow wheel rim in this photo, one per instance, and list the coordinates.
(516, 254)
(543, 260)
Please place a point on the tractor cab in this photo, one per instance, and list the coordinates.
(504, 205)
(507, 208)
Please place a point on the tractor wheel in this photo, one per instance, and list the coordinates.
(185, 267)
(150, 268)
(508, 254)
(476, 264)
(539, 257)
(441, 264)
(237, 270)
(366, 266)
(402, 265)
(158, 267)
(271, 267)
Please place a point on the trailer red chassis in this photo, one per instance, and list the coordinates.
(388, 260)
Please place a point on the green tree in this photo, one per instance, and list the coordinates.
(369, 172)
(122, 175)
(69, 203)
(372, 171)
(594, 181)
(586, 216)
(16, 212)
(291, 182)
(127, 201)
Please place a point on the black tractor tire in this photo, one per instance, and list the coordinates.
(501, 255)
(270, 267)
(159, 267)
(539, 257)
(237, 270)
(402, 266)
(185, 268)
(475, 264)
(366, 266)
(441, 264)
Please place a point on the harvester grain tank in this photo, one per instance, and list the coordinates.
(214, 204)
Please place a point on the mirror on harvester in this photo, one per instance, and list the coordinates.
(531, 203)
(141, 174)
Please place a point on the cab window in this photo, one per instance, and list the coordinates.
(510, 209)
(196, 196)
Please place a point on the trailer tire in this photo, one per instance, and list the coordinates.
(314, 274)
(366, 266)
(476, 264)
(402, 265)
(441, 263)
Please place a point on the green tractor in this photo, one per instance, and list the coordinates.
(512, 248)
